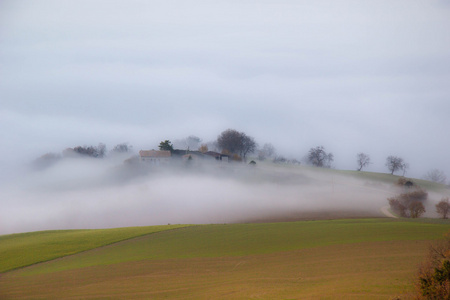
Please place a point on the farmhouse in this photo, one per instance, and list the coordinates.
(155, 157)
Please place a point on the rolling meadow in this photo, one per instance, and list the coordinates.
(326, 259)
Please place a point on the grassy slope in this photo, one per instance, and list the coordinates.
(372, 258)
(23, 249)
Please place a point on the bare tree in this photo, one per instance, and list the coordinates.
(193, 142)
(436, 175)
(443, 207)
(248, 145)
(395, 163)
(405, 167)
(280, 160)
(268, 150)
(363, 160)
(122, 148)
(319, 158)
(91, 151)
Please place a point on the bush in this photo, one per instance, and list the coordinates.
(443, 207)
(404, 182)
(409, 205)
(433, 279)
(416, 209)
(417, 195)
(398, 206)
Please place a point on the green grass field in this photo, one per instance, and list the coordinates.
(347, 259)
(24, 249)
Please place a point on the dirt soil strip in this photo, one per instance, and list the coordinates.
(385, 210)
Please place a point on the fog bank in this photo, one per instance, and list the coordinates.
(92, 193)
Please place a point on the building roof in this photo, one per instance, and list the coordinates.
(154, 153)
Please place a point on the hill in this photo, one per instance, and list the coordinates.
(352, 259)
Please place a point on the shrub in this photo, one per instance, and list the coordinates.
(433, 278)
(417, 195)
(443, 207)
(409, 205)
(416, 209)
(401, 181)
(397, 206)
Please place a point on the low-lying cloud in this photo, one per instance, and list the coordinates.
(102, 193)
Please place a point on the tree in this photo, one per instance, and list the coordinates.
(230, 140)
(363, 160)
(436, 175)
(416, 209)
(395, 163)
(236, 142)
(405, 166)
(122, 148)
(101, 150)
(193, 142)
(268, 150)
(409, 205)
(443, 207)
(166, 145)
(203, 148)
(319, 158)
(280, 159)
(97, 152)
(248, 145)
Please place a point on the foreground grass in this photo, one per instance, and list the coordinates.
(351, 259)
(23, 249)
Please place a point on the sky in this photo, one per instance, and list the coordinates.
(354, 76)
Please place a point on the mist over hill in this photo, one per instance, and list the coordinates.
(102, 193)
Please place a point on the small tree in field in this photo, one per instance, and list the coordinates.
(363, 160)
(436, 175)
(319, 158)
(395, 163)
(443, 208)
